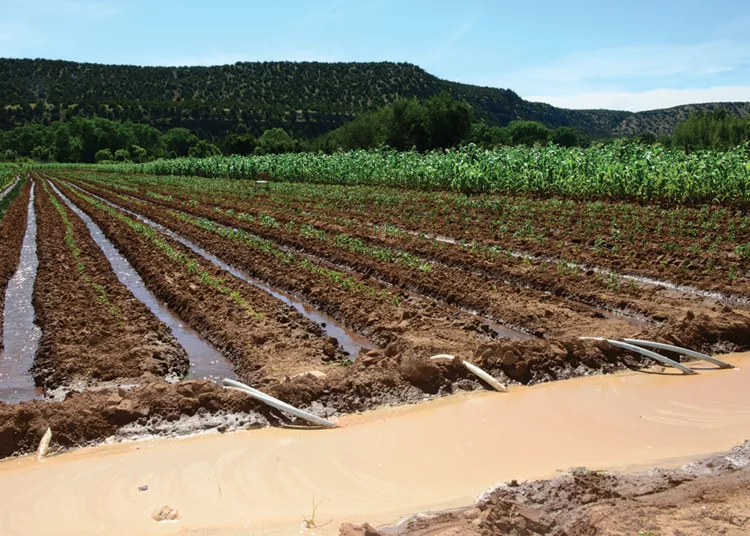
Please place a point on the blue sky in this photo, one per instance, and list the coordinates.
(633, 55)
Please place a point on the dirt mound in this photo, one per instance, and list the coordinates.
(708, 497)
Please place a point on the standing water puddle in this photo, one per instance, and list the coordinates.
(205, 361)
(349, 340)
(20, 334)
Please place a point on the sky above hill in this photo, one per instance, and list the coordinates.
(635, 55)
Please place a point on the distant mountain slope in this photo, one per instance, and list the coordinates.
(663, 121)
(307, 99)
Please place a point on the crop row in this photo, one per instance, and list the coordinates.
(262, 336)
(93, 330)
(534, 310)
(612, 172)
(563, 239)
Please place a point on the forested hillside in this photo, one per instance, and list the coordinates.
(306, 99)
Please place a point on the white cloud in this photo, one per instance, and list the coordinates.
(645, 100)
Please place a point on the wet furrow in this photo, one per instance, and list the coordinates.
(20, 334)
(7, 190)
(645, 280)
(588, 302)
(348, 339)
(447, 293)
(205, 361)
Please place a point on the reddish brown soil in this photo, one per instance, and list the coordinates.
(495, 274)
(620, 236)
(12, 229)
(268, 342)
(710, 497)
(410, 326)
(84, 339)
(561, 324)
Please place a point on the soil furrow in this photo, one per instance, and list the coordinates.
(716, 329)
(659, 243)
(264, 338)
(93, 329)
(12, 229)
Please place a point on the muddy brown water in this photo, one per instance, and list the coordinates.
(205, 361)
(20, 334)
(383, 464)
(349, 340)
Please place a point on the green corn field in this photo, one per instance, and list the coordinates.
(619, 171)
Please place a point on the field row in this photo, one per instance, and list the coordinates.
(456, 278)
(255, 280)
(707, 247)
(629, 171)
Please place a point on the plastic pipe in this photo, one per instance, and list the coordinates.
(479, 373)
(276, 403)
(642, 351)
(679, 350)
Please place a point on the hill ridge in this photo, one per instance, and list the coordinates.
(306, 98)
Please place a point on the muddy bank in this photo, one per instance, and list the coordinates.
(93, 415)
(711, 496)
(375, 380)
(93, 329)
(377, 466)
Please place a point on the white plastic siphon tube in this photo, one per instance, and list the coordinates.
(643, 351)
(276, 403)
(479, 373)
(679, 350)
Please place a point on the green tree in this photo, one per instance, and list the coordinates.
(275, 141)
(716, 130)
(528, 133)
(448, 121)
(203, 149)
(488, 136)
(179, 141)
(122, 155)
(565, 137)
(103, 155)
(241, 144)
(139, 154)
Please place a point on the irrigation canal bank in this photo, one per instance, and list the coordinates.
(382, 464)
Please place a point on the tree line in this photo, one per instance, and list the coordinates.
(437, 122)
